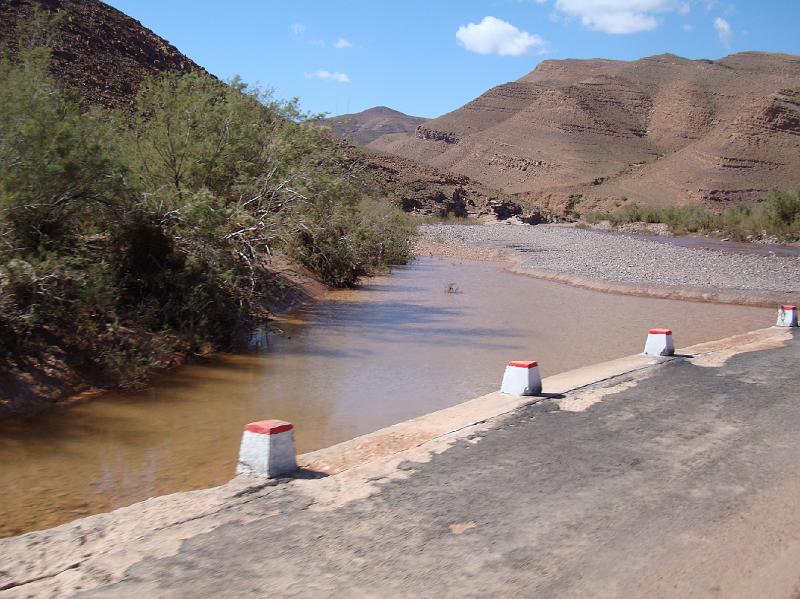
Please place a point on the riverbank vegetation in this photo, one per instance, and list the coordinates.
(776, 217)
(125, 238)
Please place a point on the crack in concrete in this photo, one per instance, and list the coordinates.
(16, 585)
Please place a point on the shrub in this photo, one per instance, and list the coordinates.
(59, 169)
(686, 218)
(777, 215)
(595, 217)
(127, 240)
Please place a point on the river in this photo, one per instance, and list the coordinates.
(428, 336)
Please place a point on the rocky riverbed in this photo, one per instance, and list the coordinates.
(619, 263)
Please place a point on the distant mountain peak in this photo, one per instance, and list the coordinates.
(368, 125)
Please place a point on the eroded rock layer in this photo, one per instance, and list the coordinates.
(659, 130)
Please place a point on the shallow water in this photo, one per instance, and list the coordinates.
(399, 347)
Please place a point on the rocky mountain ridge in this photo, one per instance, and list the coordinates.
(98, 50)
(660, 130)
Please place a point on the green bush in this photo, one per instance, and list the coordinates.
(687, 218)
(59, 169)
(595, 217)
(125, 239)
(778, 215)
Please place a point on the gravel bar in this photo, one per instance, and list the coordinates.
(618, 258)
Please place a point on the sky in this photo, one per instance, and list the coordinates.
(428, 57)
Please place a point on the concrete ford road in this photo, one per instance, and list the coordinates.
(678, 478)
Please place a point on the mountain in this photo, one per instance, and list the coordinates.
(426, 190)
(368, 125)
(99, 51)
(659, 130)
(105, 55)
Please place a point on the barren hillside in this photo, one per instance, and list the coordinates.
(659, 130)
(367, 126)
(98, 50)
(105, 55)
(430, 191)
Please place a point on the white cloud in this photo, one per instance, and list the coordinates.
(619, 16)
(317, 42)
(684, 8)
(297, 28)
(724, 31)
(342, 43)
(331, 76)
(687, 28)
(494, 36)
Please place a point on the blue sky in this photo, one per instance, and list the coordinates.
(429, 57)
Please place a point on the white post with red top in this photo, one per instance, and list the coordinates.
(267, 449)
(522, 378)
(659, 343)
(787, 316)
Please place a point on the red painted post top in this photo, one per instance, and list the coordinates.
(660, 332)
(269, 427)
(789, 307)
(524, 364)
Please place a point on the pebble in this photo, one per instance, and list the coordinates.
(619, 258)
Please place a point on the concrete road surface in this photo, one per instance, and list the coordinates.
(682, 481)
(677, 479)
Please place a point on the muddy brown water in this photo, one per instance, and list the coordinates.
(399, 347)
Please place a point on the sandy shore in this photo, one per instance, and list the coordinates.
(621, 264)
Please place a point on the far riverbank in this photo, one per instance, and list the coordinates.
(622, 264)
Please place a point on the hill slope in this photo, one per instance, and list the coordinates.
(367, 126)
(658, 130)
(101, 52)
(105, 55)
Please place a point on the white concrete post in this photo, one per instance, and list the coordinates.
(267, 449)
(787, 316)
(659, 343)
(522, 378)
